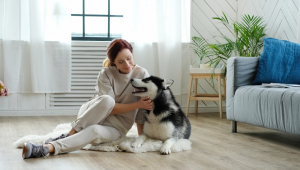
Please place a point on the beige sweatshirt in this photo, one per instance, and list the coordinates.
(117, 85)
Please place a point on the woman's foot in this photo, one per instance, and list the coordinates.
(34, 150)
(54, 139)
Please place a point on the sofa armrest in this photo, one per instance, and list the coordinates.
(241, 71)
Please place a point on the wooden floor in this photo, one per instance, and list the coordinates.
(214, 147)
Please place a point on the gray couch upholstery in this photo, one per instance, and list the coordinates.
(274, 108)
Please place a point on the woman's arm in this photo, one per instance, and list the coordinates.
(144, 103)
(139, 128)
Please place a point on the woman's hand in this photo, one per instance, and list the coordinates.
(146, 103)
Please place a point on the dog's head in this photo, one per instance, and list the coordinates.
(150, 86)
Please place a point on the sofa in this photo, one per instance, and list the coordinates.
(274, 108)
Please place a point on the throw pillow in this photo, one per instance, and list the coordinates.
(279, 62)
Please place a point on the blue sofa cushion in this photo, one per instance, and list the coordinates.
(279, 62)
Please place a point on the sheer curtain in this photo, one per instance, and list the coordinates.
(158, 29)
(37, 46)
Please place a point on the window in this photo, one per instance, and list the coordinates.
(99, 20)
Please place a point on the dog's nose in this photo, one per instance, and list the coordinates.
(131, 80)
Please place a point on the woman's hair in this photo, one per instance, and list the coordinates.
(113, 48)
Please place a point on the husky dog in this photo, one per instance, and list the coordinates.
(166, 121)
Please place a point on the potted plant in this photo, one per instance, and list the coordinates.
(248, 42)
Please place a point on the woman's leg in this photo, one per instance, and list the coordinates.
(82, 109)
(93, 112)
(84, 137)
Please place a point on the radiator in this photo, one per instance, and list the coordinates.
(87, 59)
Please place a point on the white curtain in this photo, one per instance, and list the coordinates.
(37, 46)
(158, 29)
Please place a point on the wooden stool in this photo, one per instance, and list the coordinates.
(211, 97)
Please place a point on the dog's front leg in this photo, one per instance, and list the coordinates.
(139, 141)
(166, 148)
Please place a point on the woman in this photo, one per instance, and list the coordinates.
(109, 114)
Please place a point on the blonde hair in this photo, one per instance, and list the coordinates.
(107, 63)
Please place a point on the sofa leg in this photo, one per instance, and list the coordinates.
(233, 126)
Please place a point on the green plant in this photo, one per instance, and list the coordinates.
(248, 41)
(201, 48)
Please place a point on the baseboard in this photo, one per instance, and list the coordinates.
(43, 112)
(62, 112)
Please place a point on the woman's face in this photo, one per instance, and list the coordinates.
(124, 61)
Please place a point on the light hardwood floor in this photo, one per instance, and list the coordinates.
(214, 147)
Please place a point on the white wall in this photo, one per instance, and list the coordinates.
(281, 16)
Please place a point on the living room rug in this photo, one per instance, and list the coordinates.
(122, 144)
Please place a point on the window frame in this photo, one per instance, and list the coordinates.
(83, 15)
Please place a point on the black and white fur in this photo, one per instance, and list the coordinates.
(166, 121)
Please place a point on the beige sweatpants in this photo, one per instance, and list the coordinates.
(88, 126)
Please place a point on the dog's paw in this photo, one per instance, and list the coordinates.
(165, 151)
(120, 148)
(136, 144)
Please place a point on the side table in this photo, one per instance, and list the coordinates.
(211, 97)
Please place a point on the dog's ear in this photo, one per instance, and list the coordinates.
(167, 83)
